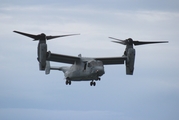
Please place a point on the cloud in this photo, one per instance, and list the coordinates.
(29, 114)
(166, 5)
(152, 92)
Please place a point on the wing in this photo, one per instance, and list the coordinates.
(72, 59)
(62, 58)
(112, 60)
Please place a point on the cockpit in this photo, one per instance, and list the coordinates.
(95, 63)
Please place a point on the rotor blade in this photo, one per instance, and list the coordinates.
(115, 39)
(52, 37)
(151, 42)
(35, 37)
(119, 42)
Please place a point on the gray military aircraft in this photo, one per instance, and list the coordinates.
(84, 68)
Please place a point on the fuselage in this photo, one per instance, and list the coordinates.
(85, 71)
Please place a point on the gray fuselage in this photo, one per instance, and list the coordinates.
(84, 71)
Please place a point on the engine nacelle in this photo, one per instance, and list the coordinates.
(130, 61)
(42, 50)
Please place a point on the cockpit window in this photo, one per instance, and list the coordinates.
(95, 63)
(99, 63)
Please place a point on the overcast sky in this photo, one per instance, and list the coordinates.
(152, 93)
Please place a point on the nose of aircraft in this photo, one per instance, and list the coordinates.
(99, 70)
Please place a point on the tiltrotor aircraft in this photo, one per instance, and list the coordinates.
(83, 68)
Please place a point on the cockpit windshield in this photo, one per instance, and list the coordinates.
(95, 63)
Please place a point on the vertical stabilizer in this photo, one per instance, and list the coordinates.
(47, 69)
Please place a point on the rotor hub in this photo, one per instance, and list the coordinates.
(129, 41)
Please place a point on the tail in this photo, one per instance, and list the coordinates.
(47, 69)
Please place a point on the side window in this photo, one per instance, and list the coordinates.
(89, 65)
(85, 66)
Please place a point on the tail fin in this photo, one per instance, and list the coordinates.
(47, 69)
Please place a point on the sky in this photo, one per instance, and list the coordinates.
(152, 93)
